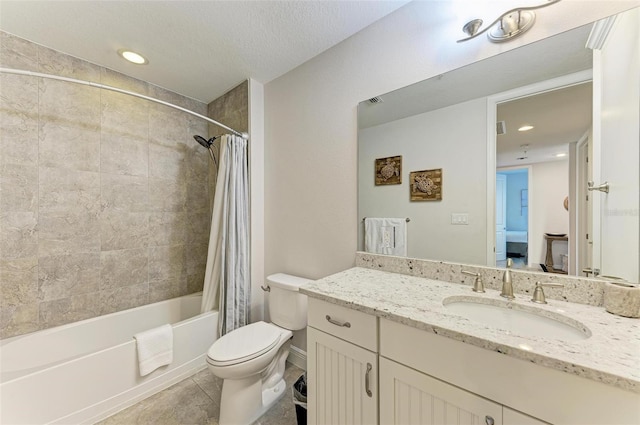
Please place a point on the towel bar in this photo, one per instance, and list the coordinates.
(408, 219)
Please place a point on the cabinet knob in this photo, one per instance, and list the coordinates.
(488, 420)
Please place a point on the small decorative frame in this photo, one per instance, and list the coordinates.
(426, 185)
(389, 170)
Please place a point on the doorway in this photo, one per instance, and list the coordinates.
(512, 191)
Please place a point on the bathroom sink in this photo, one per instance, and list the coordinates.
(517, 319)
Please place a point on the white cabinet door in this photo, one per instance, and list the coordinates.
(513, 417)
(408, 397)
(341, 381)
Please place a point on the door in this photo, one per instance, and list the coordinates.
(341, 381)
(501, 217)
(410, 397)
(616, 109)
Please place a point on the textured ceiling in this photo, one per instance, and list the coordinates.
(200, 49)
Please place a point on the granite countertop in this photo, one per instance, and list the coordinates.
(611, 354)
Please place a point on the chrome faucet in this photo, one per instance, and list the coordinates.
(478, 286)
(507, 286)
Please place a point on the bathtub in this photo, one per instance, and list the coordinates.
(85, 371)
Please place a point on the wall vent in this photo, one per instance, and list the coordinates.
(501, 127)
(376, 99)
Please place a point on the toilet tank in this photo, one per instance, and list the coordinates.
(287, 306)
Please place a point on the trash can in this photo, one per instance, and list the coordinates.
(300, 399)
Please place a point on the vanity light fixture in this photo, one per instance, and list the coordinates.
(525, 128)
(510, 24)
(133, 57)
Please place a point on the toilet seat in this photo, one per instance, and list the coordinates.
(244, 344)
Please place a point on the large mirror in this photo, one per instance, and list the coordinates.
(496, 190)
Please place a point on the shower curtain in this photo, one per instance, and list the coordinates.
(227, 282)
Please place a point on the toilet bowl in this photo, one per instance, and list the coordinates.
(252, 359)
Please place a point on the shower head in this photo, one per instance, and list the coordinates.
(204, 142)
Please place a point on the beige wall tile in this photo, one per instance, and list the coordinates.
(167, 195)
(167, 228)
(124, 193)
(61, 234)
(195, 282)
(64, 190)
(124, 230)
(62, 276)
(18, 320)
(126, 267)
(166, 289)
(120, 154)
(57, 63)
(118, 299)
(196, 258)
(18, 53)
(18, 235)
(67, 310)
(113, 78)
(19, 119)
(168, 162)
(167, 262)
(18, 281)
(19, 188)
(69, 131)
(198, 228)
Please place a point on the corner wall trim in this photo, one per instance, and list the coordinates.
(298, 357)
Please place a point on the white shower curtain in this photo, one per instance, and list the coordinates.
(227, 281)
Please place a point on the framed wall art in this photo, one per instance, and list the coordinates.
(389, 170)
(426, 185)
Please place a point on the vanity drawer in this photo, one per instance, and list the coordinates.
(351, 325)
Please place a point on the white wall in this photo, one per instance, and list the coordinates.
(311, 122)
(427, 141)
(549, 187)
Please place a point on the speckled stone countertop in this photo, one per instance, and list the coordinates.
(611, 354)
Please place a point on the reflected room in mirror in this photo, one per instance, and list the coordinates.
(527, 139)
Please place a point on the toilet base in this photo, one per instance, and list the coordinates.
(240, 407)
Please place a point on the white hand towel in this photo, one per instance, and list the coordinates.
(155, 348)
(386, 236)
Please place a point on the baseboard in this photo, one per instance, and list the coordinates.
(298, 357)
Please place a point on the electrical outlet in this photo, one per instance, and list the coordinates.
(460, 218)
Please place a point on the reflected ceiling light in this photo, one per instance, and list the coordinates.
(525, 128)
(510, 24)
(560, 155)
(133, 57)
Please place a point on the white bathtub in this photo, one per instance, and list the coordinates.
(85, 371)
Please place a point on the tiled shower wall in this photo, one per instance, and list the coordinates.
(104, 198)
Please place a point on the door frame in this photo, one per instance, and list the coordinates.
(492, 113)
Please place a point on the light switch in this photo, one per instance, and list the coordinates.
(460, 218)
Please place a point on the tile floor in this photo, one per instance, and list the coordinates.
(196, 401)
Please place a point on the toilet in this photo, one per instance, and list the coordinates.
(251, 359)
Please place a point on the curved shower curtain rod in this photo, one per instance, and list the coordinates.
(115, 89)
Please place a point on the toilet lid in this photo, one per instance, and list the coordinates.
(244, 343)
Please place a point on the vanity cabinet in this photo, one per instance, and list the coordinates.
(411, 397)
(416, 376)
(342, 366)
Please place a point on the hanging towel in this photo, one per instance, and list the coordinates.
(386, 236)
(155, 348)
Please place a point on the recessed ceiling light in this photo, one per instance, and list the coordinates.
(525, 128)
(133, 57)
(560, 155)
